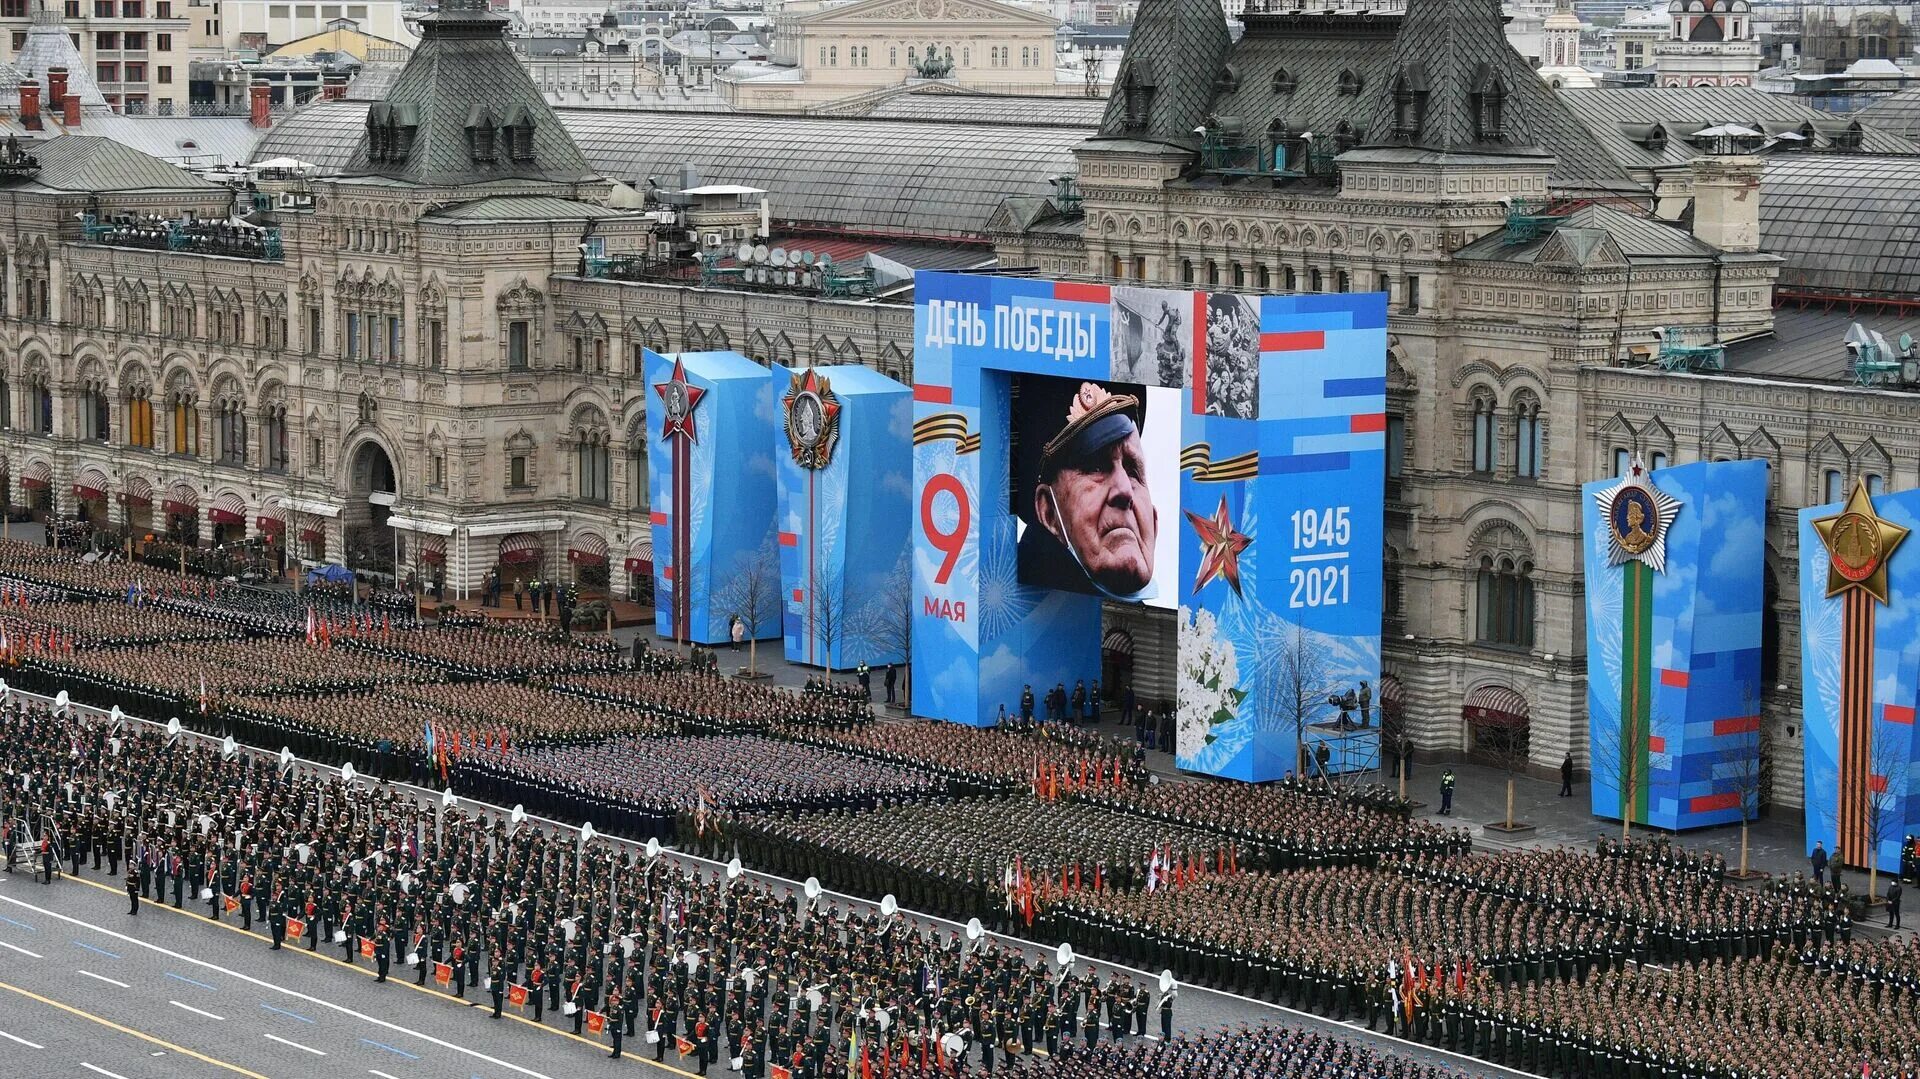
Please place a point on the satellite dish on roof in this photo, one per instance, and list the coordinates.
(744, 253)
(778, 256)
(759, 252)
(807, 257)
(823, 261)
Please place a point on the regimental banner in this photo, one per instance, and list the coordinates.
(1860, 674)
(1675, 587)
(711, 482)
(844, 444)
(1078, 444)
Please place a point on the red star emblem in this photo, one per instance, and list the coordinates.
(678, 398)
(1220, 547)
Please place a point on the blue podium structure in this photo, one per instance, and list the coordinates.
(843, 442)
(712, 493)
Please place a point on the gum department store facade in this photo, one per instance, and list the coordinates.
(427, 352)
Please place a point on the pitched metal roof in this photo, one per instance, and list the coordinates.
(1591, 234)
(1314, 71)
(1176, 48)
(96, 163)
(1078, 112)
(1845, 223)
(463, 75)
(1810, 343)
(1622, 122)
(500, 208)
(1896, 113)
(898, 177)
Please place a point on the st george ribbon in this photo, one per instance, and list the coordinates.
(1858, 543)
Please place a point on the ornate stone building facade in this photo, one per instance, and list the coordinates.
(1412, 153)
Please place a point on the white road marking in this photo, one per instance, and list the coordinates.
(97, 1070)
(296, 1045)
(196, 1011)
(293, 993)
(103, 978)
(381, 1074)
(20, 1040)
(22, 951)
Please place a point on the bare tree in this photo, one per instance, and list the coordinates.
(884, 624)
(1887, 765)
(1298, 688)
(1510, 753)
(1746, 769)
(827, 617)
(752, 594)
(1616, 763)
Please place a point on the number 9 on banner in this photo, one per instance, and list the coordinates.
(933, 514)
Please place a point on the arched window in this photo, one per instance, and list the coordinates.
(230, 431)
(1504, 611)
(186, 422)
(43, 400)
(1528, 439)
(1486, 433)
(592, 466)
(139, 422)
(1833, 485)
(6, 404)
(1313, 280)
(1876, 486)
(637, 495)
(95, 411)
(273, 437)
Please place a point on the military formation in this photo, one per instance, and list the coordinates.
(1633, 960)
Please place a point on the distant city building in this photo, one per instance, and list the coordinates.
(1560, 43)
(825, 52)
(264, 25)
(131, 54)
(1709, 43)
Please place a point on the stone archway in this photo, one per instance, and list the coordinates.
(372, 487)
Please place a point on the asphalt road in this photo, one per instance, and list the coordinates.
(86, 990)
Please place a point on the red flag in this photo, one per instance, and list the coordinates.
(780, 1071)
(442, 975)
(517, 995)
(232, 904)
(683, 1045)
(366, 947)
(596, 1022)
(296, 928)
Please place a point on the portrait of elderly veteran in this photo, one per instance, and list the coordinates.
(1093, 523)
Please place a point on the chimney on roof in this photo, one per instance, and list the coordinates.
(56, 88)
(1726, 201)
(260, 104)
(333, 86)
(70, 112)
(30, 104)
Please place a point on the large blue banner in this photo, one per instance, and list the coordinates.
(1860, 674)
(843, 445)
(712, 488)
(1218, 455)
(1675, 587)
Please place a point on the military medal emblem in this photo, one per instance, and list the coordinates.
(678, 398)
(1858, 542)
(1638, 515)
(813, 419)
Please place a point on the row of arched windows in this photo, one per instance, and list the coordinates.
(1518, 433)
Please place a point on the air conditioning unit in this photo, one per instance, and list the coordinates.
(712, 239)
